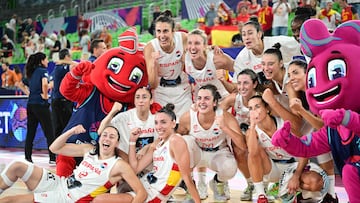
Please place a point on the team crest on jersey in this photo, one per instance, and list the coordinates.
(209, 72)
(178, 54)
(216, 131)
(103, 165)
(196, 128)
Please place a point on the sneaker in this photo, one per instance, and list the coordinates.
(29, 160)
(262, 199)
(202, 189)
(218, 191)
(52, 163)
(227, 190)
(247, 194)
(329, 199)
(273, 190)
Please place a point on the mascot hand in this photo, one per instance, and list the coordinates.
(281, 137)
(83, 68)
(331, 117)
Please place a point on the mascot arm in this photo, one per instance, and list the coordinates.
(72, 87)
(307, 146)
(337, 117)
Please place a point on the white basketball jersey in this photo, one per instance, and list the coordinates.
(205, 76)
(210, 138)
(170, 63)
(274, 152)
(242, 113)
(165, 170)
(93, 174)
(126, 121)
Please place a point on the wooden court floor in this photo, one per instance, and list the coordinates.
(40, 158)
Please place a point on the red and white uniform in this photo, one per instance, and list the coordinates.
(90, 179)
(171, 67)
(162, 181)
(215, 152)
(126, 121)
(242, 113)
(205, 76)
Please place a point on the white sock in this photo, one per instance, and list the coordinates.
(332, 185)
(249, 181)
(259, 188)
(202, 177)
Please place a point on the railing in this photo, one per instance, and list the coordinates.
(51, 13)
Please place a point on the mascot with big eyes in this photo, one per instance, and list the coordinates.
(333, 82)
(113, 77)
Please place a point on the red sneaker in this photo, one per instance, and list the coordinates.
(262, 199)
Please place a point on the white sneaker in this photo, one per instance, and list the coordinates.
(218, 191)
(202, 189)
(247, 194)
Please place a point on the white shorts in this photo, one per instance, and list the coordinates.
(51, 188)
(179, 95)
(153, 192)
(277, 169)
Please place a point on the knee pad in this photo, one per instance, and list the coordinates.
(28, 172)
(5, 178)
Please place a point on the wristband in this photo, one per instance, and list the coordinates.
(132, 143)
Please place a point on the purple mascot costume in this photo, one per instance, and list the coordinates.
(333, 92)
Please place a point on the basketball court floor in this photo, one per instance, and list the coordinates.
(40, 158)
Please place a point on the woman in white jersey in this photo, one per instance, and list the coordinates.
(266, 162)
(170, 157)
(96, 174)
(247, 86)
(297, 79)
(199, 62)
(278, 98)
(138, 117)
(164, 64)
(255, 45)
(210, 128)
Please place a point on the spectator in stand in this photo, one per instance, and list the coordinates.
(82, 24)
(210, 15)
(30, 48)
(330, 17)
(314, 5)
(242, 3)
(155, 14)
(281, 10)
(243, 16)
(6, 50)
(84, 41)
(97, 48)
(348, 12)
(254, 8)
(266, 17)
(61, 107)
(224, 15)
(236, 40)
(65, 43)
(29, 25)
(178, 28)
(9, 32)
(34, 37)
(8, 76)
(22, 24)
(355, 4)
(12, 26)
(106, 36)
(54, 51)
